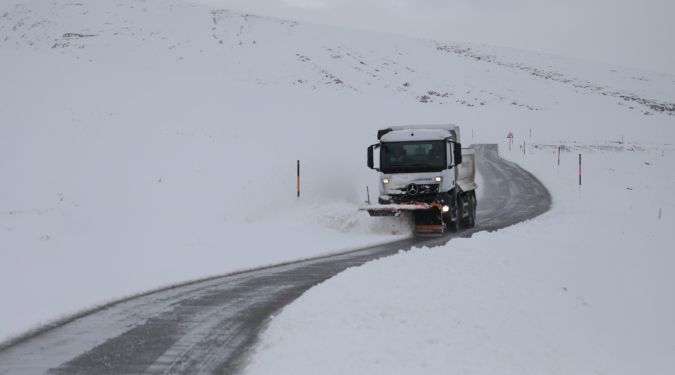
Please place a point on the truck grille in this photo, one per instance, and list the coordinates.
(414, 190)
(425, 189)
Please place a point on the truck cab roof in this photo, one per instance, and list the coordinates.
(418, 133)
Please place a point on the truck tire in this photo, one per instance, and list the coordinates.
(474, 208)
(457, 225)
(470, 220)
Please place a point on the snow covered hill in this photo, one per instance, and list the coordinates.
(186, 36)
(151, 142)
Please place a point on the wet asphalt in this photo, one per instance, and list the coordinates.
(208, 327)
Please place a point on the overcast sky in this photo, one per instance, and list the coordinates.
(638, 33)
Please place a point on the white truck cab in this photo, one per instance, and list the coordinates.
(423, 169)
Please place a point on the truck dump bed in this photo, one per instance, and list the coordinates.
(467, 170)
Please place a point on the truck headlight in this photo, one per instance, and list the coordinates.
(439, 178)
(385, 180)
(445, 208)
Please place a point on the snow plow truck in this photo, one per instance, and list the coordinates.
(424, 170)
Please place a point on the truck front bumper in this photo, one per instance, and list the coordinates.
(396, 209)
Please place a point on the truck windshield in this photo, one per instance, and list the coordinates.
(410, 157)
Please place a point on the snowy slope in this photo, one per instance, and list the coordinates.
(187, 36)
(585, 288)
(151, 142)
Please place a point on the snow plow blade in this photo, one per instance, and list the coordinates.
(426, 221)
(395, 209)
(383, 211)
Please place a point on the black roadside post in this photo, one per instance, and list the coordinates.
(558, 155)
(579, 169)
(298, 180)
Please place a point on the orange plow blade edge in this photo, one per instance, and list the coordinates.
(396, 209)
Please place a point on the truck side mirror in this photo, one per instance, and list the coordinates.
(370, 155)
(457, 153)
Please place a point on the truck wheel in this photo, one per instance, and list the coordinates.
(471, 217)
(474, 206)
(458, 214)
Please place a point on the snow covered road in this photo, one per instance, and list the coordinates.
(207, 327)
